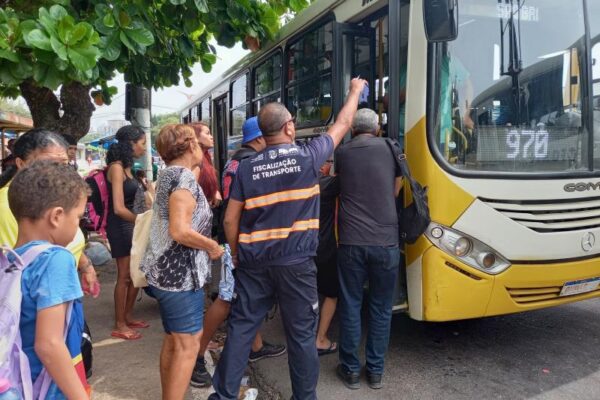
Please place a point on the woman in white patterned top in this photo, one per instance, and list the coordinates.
(177, 260)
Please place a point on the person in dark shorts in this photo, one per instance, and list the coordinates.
(327, 276)
(122, 187)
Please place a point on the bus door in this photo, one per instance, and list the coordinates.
(357, 56)
(220, 115)
(364, 53)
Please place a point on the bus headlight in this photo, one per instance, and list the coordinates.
(467, 249)
(462, 247)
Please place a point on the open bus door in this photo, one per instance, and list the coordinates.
(357, 56)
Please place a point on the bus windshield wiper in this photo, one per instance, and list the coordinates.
(512, 30)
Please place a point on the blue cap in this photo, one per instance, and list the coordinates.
(250, 130)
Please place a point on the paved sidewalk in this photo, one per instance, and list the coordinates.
(126, 370)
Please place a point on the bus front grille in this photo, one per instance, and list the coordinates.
(551, 215)
(531, 296)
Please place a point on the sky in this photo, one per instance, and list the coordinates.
(170, 99)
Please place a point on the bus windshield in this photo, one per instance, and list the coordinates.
(509, 88)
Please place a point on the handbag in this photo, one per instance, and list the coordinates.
(413, 219)
(139, 243)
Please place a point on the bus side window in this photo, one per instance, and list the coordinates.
(239, 104)
(308, 77)
(267, 82)
(205, 111)
(194, 113)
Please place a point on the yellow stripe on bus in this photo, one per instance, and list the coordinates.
(281, 197)
(278, 233)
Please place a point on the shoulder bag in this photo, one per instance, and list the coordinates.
(413, 219)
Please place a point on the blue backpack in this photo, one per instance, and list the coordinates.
(14, 364)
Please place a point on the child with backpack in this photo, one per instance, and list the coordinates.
(47, 200)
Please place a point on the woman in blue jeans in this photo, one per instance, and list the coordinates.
(177, 260)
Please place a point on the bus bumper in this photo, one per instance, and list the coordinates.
(453, 290)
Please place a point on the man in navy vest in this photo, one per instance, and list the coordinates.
(272, 226)
(217, 313)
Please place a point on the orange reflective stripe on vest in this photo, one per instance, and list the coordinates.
(281, 197)
(278, 233)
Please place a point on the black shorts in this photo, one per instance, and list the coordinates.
(120, 235)
(328, 283)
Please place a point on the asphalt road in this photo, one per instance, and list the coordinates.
(546, 354)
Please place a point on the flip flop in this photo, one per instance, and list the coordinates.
(131, 335)
(331, 349)
(138, 325)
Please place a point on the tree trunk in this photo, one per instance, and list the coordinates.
(75, 103)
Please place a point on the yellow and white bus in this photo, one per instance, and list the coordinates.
(497, 104)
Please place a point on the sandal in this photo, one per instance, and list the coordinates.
(138, 325)
(331, 349)
(130, 335)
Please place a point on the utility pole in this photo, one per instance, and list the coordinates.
(137, 110)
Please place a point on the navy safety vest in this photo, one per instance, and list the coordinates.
(280, 190)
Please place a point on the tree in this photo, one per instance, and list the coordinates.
(79, 45)
(158, 121)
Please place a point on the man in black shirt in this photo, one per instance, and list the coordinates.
(368, 246)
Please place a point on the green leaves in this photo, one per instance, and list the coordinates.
(201, 5)
(153, 43)
(111, 47)
(8, 55)
(58, 12)
(39, 39)
(206, 61)
(51, 47)
(47, 76)
(127, 42)
(83, 58)
(141, 36)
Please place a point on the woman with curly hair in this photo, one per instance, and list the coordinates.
(122, 186)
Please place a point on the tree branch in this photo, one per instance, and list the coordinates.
(75, 103)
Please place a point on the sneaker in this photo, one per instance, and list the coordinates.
(350, 379)
(374, 380)
(200, 376)
(268, 350)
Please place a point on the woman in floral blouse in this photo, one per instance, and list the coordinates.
(177, 260)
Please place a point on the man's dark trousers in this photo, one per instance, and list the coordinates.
(257, 288)
(357, 264)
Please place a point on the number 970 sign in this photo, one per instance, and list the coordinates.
(527, 144)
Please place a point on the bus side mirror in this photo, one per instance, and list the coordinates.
(441, 20)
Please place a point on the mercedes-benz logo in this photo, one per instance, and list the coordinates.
(587, 241)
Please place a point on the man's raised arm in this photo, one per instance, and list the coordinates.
(343, 121)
